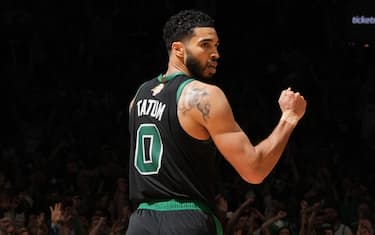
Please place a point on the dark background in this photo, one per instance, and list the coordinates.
(69, 69)
(111, 47)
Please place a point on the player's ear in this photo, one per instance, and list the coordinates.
(178, 48)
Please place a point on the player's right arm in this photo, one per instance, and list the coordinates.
(214, 114)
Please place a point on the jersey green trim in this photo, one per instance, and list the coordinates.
(181, 87)
(169, 77)
(174, 205)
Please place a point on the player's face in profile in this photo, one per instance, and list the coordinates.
(202, 54)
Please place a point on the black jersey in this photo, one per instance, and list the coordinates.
(165, 162)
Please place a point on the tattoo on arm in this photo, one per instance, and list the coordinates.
(195, 98)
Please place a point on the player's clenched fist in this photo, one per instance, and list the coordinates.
(292, 105)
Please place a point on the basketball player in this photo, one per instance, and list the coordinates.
(177, 122)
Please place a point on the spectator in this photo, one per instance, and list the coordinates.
(332, 216)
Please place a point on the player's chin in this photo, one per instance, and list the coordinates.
(210, 73)
(211, 70)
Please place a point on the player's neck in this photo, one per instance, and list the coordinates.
(177, 68)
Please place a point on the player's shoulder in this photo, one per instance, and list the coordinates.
(206, 87)
(206, 95)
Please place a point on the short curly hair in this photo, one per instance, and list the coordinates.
(181, 25)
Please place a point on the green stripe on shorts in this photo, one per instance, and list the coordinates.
(174, 205)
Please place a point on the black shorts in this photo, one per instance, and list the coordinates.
(175, 222)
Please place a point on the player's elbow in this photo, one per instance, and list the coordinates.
(255, 172)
